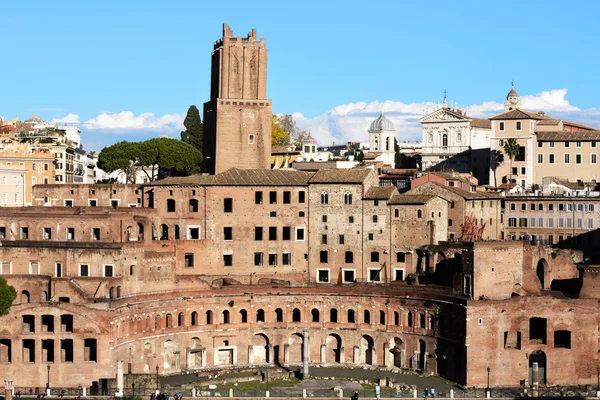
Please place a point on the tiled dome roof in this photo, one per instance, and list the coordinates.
(381, 124)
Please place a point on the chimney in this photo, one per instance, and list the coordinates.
(541, 113)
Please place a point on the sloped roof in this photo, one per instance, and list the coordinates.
(481, 123)
(568, 184)
(549, 121)
(412, 198)
(241, 177)
(520, 114)
(350, 175)
(380, 193)
(560, 136)
(578, 125)
(283, 149)
(461, 192)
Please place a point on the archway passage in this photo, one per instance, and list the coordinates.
(540, 271)
(195, 353)
(260, 349)
(296, 349)
(422, 354)
(538, 357)
(334, 349)
(396, 351)
(367, 345)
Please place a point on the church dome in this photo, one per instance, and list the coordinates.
(381, 124)
(512, 93)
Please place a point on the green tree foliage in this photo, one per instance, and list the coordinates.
(397, 155)
(511, 148)
(278, 135)
(193, 128)
(174, 156)
(8, 294)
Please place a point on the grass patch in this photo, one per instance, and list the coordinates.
(258, 385)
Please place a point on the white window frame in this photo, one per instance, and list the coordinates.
(348, 269)
(39, 267)
(90, 201)
(551, 145)
(567, 158)
(71, 200)
(523, 169)
(501, 126)
(519, 129)
(132, 205)
(79, 270)
(187, 232)
(67, 233)
(369, 275)
(251, 138)
(540, 159)
(289, 253)
(117, 200)
(9, 267)
(551, 158)
(298, 228)
(328, 275)
(403, 273)
(580, 159)
(578, 144)
(104, 270)
(593, 158)
(501, 142)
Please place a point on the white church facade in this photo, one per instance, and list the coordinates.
(453, 140)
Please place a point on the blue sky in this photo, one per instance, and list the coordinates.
(126, 70)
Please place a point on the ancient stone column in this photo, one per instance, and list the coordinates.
(120, 377)
(286, 354)
(305, 353)
(250, 355)
(8, 388)
(535, 376)
(324, 354)
(356, 355)
(271, 355)
(342, 355)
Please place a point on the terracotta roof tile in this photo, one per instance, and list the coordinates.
(519, 114)
(461, 192)
(350, 175)
(560, 136)
(412, 198)
(481, 123)
(380, 193)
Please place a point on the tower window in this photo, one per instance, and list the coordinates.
(250, 139)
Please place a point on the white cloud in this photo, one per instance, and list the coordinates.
(350, 122)
(67, 119)
(126, 120)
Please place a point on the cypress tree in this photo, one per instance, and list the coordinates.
(193, 128)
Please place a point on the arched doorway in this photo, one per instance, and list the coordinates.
(396, 350)
(367, 346)
(25, 297)
(195, 353)
(422, 354)
(296, 349)
(260, 349)
(334, 349)
(538, 357)
(164, 232)
(140, 231)
(542, 267)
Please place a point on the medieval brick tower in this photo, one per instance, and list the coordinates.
(237, 119)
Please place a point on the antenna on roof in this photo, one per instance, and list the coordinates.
(445, 101)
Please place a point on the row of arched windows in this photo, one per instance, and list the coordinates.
(325, 198)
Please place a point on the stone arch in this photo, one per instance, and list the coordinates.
(410, 319)
(333, 343)
(367, 350)
(157, 321)
(226, 315)
(193, 205)
(367, 317)
(333, 315)
(315, 315)
(209, 317)
(351, 316)
(538, 357)
(260, 349)
(260, 315)
(164, 232)
(147, 356)
(396, 318)
(397, 352)
(278, 315)
(140, 231)
(296, 315)
(243, 316)
(296, 350)
(542, 271)
(169, 321)
(381, 317)
(111, 293)
(170, 205)
(196, 353)
(181, 319)
(25, 297)
(194, 318)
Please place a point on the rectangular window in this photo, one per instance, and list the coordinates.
(324, 218)
(34, 267)
(258, 197)
(579, 223)
(24, 233)
(287, 197)
(551, 144)
(92, 202)
(302, 197)
(593, 159)
(258, 233)
(532, 222)
(286, 258)
(349, 275)
(501, 128)
(193, 233)
(47, 233)
(272, 197)
(228, 233)
(58, 270)
(550, 223)
(577, 158)
(551, 158)
(299, 234)
(569, 223)
(323, 275)
(540, 144)
(577, 144)
(590, 223)
(272, 259)
(228, 205)
(258, 259)
(68, 203)
(189, 260)
(272, 233)
(350, 219)
(523, 171)
(567, 144)
(227, 260)
(323, 239)
(108, 270)
(2, 232)
(540, 222)
(90, 350)
(323, 256)
(341, 239)
(561, 222)
(374, 275)
(95, 233)
(540, 158)
(398, 274)
(371, 236)
(567, 158)
(84, 270)
(518, 125)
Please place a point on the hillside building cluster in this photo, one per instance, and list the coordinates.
(253, 266)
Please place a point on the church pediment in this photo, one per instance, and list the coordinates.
(443, 115)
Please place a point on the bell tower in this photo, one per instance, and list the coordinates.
(237, 118)
(513, 101)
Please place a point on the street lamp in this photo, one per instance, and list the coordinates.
(48, 381)
(157, 379)
(488, 386)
